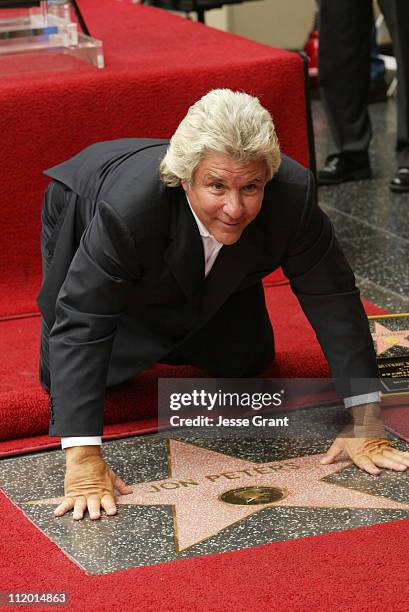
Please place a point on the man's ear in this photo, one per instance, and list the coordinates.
(185, 186)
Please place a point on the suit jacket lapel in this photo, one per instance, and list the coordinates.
(184, 254)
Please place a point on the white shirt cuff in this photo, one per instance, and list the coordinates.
(81, 441)
(365, 398)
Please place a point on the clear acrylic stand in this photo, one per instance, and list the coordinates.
(45, 29)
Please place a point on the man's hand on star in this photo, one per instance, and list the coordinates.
(365, 442)
(89, 484)
(369, 454)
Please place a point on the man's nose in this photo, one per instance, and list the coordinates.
(233, 206)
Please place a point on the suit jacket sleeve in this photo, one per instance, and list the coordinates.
(324, 284)
(95, 292)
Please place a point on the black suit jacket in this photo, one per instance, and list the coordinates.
(126, 275)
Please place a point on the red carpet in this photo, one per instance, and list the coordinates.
(397, 420)
(359, 570)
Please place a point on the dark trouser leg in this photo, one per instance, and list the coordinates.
(237, 342)
(344, 61)
(396, 14)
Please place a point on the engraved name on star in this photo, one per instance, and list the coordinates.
(198, 477)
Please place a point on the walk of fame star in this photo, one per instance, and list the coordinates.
(198, 480)
(385, 338)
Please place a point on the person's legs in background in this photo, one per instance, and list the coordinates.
(377, 72)
(344, 72)
(396, 13)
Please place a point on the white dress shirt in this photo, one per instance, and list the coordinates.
(211, 249)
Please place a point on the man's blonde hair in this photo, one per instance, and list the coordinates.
(225, 122)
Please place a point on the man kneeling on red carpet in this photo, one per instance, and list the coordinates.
(155, 252)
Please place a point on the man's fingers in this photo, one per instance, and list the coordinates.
(333, 452)
(94, 506)
(80, 505)
(91, 502)
(108, 504)
(381, 460)
(120, 485)
(398, 455)
(66, 505)
(365, 463)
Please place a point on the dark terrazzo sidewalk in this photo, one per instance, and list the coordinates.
(371, 222)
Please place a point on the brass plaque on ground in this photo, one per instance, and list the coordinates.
(390, 334)
(253, 496)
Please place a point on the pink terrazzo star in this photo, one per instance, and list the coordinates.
(385, 338)
(198, 477)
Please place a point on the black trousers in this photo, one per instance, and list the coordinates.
(221, 347)
(344, 64)
(226, 350)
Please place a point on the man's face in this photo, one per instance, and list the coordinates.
(226, 195)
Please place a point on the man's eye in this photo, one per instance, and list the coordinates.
(218, 186)
(250, 188)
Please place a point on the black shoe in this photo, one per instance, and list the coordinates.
(400, 182)
(345, 167)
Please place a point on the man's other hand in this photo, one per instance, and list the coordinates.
(369, 454)
(89, 484)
